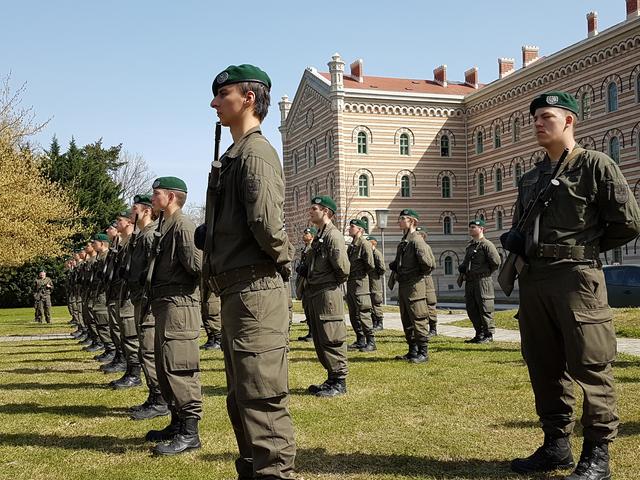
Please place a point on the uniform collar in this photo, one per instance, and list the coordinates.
(236, 147)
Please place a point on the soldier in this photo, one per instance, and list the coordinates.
(481, 259)
(432, 299)
(114, 328)
(98, 298)
(172, 286)
(414, 261)
(42, 288)
(210, 309)
(133, 270)
(375, 285)
(565, 320)
(247, 256)
(360, 256)
(307, 237)
(78, 272)
(328, 268)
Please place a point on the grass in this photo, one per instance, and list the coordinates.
(626, 321)
(19, 321)
(463, 415)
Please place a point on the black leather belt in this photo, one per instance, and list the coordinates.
(250, 272)
(571, 252)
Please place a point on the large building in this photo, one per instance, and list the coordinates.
(454, 151)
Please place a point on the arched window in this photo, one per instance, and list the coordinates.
(518, 173)
(614, 149)
(330, 147)
(405, 186)
(446, 187)
(296, 199)
(498, 179)
(332, 186)
(444, 146)
(363, 186)
(612, 97)
(481, 184)
(365, 219)
(585, 106)
(362, 142)
(497, 140)
(404, 144)
(479, 145)
(446, 225)
(448, 265)
(499, 220)
(638, 88)
(311, 152)
(295, 162)
(515, 130)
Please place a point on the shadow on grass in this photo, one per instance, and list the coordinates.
(214, 391)
(629, 429)
(28, 371)
(626, 364)
(50, 386)
(100, 443)
(318, 461)
(89, 411)
(521, 424)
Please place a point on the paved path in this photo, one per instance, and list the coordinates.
(392, 321)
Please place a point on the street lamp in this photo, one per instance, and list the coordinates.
(382, 215)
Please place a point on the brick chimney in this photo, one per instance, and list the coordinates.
(592, 24)
(529, 55)
(357, 71)
(633, 9)
(506, 66)
(471, 77)
(440, 75)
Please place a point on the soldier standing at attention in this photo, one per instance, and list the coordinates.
(42, 288)
(301, 281)
(175, 302)
(414, 261)
(565, 320)
(358, 294)
(247, 256)
(375, 285)
(481, 259)
(328, 268)
(211, 321)
(98, 295)
(432, 299)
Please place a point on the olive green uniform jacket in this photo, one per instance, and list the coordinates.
(481, 259)
(360, 254)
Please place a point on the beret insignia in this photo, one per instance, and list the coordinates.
(223, 77)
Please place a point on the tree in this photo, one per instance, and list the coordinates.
(133, 176)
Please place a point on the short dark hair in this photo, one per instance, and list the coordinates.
(181, 198)
(263, 97)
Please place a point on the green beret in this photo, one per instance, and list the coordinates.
(478, 222)
(324, 201)
(101, 237)
(240, 73)
(143, 199)
(371, 237)
(555, 99)
(409, 212)
(358, 223)
(311, 230)
(125, 213)
(170, 183)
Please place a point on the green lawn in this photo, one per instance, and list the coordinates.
(626, 321)
(19, 321)
(463, 415)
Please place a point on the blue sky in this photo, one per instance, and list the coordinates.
(139, 72)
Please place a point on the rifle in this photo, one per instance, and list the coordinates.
(110, 266)
(514, 264)
(461, 276)
(125, 272)
(155, 250)
(212, 192)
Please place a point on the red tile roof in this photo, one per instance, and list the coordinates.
(404, 85)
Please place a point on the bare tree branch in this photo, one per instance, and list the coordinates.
(16, 122)
(134, 175)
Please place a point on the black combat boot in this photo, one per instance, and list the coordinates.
(433, 329)
(157, 407)
(144, 404)
(594, 462)
(422, 355)
(187, 439)
(117, 365)
(486, 338)
(358, 344)
(211, 344)
(336, 388)
(413, 351)
(85, 340)
(168, 432)
(477, 339)
(94, 347)
(554, 454)
(106, 357)
(306, 338)
(130, 379)
(322, 386)
(377, 325)
(370, 346)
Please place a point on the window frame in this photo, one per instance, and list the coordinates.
(445, 146)
(404, 144)
(448, 265)
(363, 143)
(447, 226)
(481, 185)
(365, 177)
(612, 97)
(445, 190)
(498, 180)
(405, 188)
(479, 142)
(614, 140)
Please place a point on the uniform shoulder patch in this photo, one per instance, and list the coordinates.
(252, 188)
(621, 192)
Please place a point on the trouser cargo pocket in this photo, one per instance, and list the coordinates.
(180, 350)
(594, 339)
(260, 364)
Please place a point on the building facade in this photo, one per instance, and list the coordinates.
(454, 151)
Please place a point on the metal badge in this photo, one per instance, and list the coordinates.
(552, 100)
(223, 77)
(156, 184)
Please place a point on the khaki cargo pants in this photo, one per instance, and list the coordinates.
(567, 333)
(414, 311)
(479, 299)
(147, 345)
(359, 304)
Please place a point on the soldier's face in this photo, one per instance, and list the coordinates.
(404, 222)
(42, 274)
(316, 214)
(374, 243)
(353, 230)
(475, 231)
(229, 104)
(160, 199)
(550, 125)
(307, 238)
(123, 223)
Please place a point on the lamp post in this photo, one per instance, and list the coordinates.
(382, 215)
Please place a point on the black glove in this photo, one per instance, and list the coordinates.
(284, 271)
(393, 266)
(462, 268)
(302, 270)
(200, 236)
(513, 241)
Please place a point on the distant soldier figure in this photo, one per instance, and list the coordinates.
(414, 261)
(211, 321)
(481, 259)
(301, 281)
(42, 288)
(376, 286)
(361, 261)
